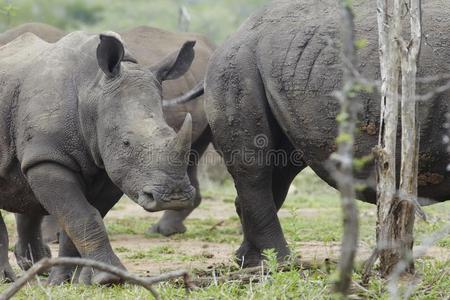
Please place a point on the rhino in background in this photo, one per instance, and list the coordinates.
(46, 32)
(274, 80)
(149, 45)
(81, 124)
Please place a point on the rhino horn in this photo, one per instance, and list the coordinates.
(182, 142)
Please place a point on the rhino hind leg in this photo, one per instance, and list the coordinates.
(63, 274)
(6, 272)
(50, 230)
(283, 173)
(258, 214)
(172, 221)
(30, 247)
(248, 136)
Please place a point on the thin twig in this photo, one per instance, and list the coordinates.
(217, 225)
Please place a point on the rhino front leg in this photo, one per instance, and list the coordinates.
(105, 200)
(172, 221)
(30, 247)
(60, 191)
(6, 272)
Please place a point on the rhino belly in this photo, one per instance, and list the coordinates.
(16, 195)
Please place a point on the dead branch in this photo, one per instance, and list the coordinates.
(218, 224)
(253, 274)
(433, 93)
(344, 158)
(47, 263)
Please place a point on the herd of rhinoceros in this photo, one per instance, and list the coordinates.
(86, 118)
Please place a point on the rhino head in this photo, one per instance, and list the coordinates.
(141, 154)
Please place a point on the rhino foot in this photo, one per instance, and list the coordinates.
(26, 254)
(89, 276)
(105, 278)
(6, 273)
(248, 256)
(167, 228)
(60, 275)
(63, 275)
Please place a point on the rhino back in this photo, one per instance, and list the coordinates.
(15, 59)
(46, 32)
(39, 99)
(302, 70)
(21, 52)
(150, 45)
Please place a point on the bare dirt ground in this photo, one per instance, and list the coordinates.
(219, 253)
(194, 254)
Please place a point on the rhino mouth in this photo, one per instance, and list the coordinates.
(153, 201)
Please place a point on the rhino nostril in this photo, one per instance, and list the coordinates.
(149, 193)
(147, 190)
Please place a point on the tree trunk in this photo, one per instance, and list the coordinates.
(410, 137)
(396, 211)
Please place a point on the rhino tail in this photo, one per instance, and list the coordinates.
(194, 93)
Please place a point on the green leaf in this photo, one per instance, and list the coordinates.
(343, 138)
(342, 117)
(361, 43)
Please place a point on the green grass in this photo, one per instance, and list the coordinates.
(206, 231)
(280, 285)
(311, 213)
(129, 225)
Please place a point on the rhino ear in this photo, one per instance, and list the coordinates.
(176, 64)
(110, 53)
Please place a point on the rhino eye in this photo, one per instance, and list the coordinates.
(126, 143)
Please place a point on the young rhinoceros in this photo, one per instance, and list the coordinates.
(81, 123)
(141, 42)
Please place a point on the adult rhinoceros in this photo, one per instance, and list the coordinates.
(46, 32)
(149, 45)
(270, 86)
(81, 124)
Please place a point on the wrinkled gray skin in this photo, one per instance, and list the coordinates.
(81, 124)
(275, 77)
(149, 45)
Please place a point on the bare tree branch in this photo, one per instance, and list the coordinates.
(47, 263)
(347, 119)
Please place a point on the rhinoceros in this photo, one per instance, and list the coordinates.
(269, 90)
(149, 45)
(46, 32)
(81, 124)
